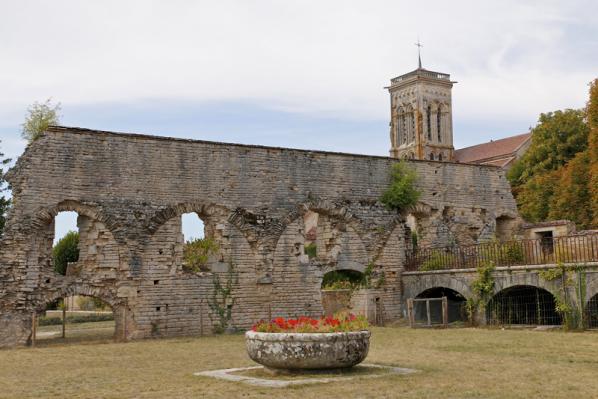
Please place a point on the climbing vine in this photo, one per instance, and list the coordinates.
(221, 302)
(482, 288)
(573, 316)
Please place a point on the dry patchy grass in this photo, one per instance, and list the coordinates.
(454, 363)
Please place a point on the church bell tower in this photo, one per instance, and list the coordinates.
(421, 125)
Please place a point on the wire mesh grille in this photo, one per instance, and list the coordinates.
(523, 305)
(592, 312)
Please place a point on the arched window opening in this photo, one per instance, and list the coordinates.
(412, 116)
(592, 312)
(431, 156)
(193, 227)
(429, 122)
(77, 318)
(439, 123)
(338, 286)
(403, 124)
(198, 248)
(399, 127)
(65, 242)
(455, 301)
(523, 305)
(440, 157)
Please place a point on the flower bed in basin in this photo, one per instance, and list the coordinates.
(309, 344)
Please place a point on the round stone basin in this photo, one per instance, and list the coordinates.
(307, 351)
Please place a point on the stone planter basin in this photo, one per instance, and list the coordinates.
(307, 351)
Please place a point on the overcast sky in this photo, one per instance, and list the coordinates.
(306, 74)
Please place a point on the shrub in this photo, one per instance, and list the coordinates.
(88, 318)
(438, 260)
(197, 252)
(342, 279)
(402, 192)
(311, 250)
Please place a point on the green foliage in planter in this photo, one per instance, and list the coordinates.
(66, 250)
(402, 192)
(311, 250)
(438, 260)
(197, 252)
(342, 279)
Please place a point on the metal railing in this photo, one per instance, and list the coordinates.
(565, 249)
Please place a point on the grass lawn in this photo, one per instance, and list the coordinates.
(454, 363)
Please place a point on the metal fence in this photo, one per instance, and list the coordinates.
(565, 249)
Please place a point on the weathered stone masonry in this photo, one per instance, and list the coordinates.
(130, 190)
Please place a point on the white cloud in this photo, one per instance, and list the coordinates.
(329, 57)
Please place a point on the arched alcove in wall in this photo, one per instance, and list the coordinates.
(455, 301)
(523, 305)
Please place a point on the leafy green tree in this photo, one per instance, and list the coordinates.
(552, 179)
(592, 118)
(557, 138)
(4, 202)
(571, 198)
(402, 192)
(39, 117)
(66, 250)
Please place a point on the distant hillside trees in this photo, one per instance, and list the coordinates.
(557, 178)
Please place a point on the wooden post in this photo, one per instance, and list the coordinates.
(445, 311)
(201, 318)
(410, 314)
(63, 317)
(428, 312)
(33, 329)
(125, 322)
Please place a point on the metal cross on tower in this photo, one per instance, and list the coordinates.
(419, 56)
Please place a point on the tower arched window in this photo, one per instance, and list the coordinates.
(431, 156)
(438, 123)
(440, 157)
(412, 126)
(403, 127)
(429, 122)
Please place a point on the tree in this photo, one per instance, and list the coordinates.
(557, 138)
(39, 117)
(4, 202)
(571, 199)
(592, 118)
(552, 179)
(66, 250)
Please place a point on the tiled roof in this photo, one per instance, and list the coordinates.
(494, 149)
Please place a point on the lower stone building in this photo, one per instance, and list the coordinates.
(257, 204)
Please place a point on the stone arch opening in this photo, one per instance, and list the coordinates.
(188, 237)
(591, 312)
(76, 316)
(523, 305)
(455, 301)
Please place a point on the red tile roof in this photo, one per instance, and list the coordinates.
(503, 149)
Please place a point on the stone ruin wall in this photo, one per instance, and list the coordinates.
(130, 191)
